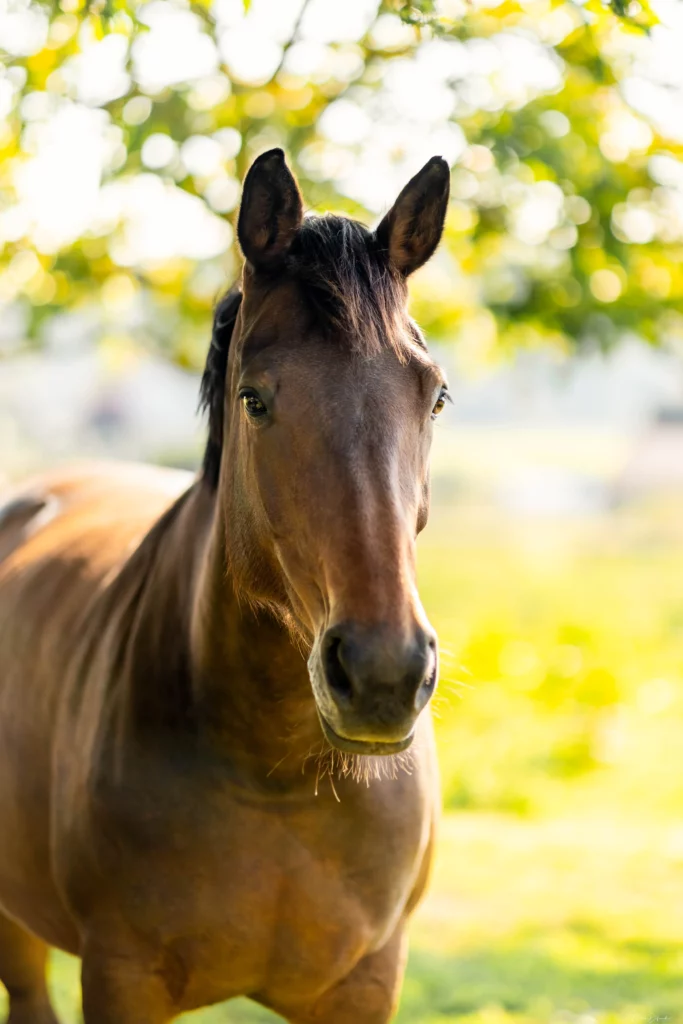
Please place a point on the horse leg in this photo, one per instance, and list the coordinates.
(22, 972)
(127, 986)
(368, 995)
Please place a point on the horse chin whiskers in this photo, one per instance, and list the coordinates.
(360, 768)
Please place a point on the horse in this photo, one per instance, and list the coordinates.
(209, 685)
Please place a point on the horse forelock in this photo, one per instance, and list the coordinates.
(348, 283)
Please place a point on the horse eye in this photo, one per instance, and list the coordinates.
(253, 405)
(440, 403)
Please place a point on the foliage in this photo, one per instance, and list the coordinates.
(564, 225)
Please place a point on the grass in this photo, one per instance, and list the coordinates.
(558, 887)
(546, 921)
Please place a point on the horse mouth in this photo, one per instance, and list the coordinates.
(367, 747)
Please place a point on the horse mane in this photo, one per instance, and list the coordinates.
(348, 283)
(350, 289)
(212, 387)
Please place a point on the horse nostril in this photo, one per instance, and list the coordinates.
(427, 683)
(337, 676)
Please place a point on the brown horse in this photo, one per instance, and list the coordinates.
(193, 678)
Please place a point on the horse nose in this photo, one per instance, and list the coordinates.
(377, 678)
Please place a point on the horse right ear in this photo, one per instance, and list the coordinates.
(271, 211)
(412, 229)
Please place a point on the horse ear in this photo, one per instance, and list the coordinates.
(271, 211)
(412, 229)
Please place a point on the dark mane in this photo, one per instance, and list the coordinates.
(347, 281)
(212, 387)
(350, 288)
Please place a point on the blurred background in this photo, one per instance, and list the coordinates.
(553, 564)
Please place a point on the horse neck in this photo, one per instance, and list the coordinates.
(199, 661)
(146, 622)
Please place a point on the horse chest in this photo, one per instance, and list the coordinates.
(258, 899)
(304, 915)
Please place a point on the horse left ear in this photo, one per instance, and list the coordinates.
(412, 229)
(271, 211)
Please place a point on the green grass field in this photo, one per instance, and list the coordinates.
(558, 890)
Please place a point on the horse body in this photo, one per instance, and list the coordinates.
(193, 675)
(238, 892)
(50, 585)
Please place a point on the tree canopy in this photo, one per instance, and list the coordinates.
(129, 126)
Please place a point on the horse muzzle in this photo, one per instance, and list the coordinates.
(371, 685)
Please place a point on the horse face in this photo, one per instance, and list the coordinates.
(332, 398)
